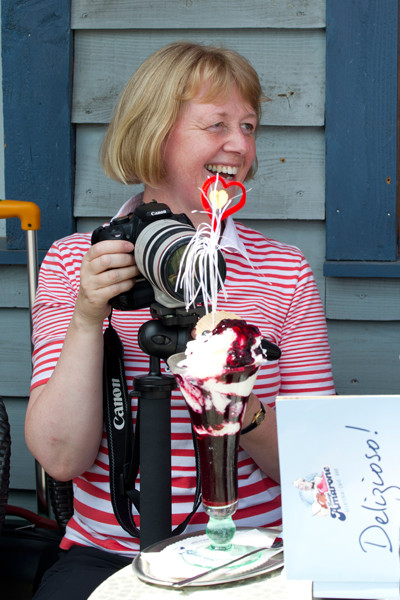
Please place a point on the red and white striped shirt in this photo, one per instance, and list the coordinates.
(270, 285)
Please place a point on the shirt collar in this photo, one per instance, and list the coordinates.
(230, 240)
(129, 205)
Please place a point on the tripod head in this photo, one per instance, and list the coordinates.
(169, 330)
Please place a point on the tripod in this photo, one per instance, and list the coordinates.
(166, 334)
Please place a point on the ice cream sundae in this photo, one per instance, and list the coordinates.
(216, 375)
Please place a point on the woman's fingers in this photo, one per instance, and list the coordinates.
(108, 269)
(109, 254)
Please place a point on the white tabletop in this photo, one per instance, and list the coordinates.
(125, 585)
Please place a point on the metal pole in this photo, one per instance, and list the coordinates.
(42, 489)
(32, 265)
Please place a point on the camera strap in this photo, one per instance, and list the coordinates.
(123, 443)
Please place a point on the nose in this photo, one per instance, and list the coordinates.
(239, 142)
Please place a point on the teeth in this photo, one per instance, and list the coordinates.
(222, 169)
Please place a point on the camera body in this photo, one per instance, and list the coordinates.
(160, 239)
(128, 227)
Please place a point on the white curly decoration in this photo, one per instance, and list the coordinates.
(198, 271)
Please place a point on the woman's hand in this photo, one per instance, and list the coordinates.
(108, 269)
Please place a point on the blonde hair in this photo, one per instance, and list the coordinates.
(152, 99)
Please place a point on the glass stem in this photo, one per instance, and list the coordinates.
(220, 530)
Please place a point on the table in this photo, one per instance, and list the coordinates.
(125, 585)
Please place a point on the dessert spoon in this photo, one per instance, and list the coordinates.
(271, 562)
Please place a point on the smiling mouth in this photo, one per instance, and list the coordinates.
(227, 172)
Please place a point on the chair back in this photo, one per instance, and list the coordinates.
(5, 451)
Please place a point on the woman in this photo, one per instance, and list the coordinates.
(188, 112)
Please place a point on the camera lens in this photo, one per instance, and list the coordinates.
(159, 250)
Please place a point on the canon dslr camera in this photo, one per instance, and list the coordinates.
(160, 238)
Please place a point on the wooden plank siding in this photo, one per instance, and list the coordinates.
(14, 286)
(15, 352)
(363, 299)
(207, 14)
(291, 66)
(22, 473)
(289, 183)
(365, 356)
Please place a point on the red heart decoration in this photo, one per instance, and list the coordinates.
(225, 184)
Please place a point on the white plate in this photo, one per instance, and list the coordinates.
(162, 563)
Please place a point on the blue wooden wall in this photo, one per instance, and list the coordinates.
(361, 136)
(37, 47)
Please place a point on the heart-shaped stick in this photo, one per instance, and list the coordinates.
(214, 200)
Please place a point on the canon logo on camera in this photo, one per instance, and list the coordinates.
(154, 213)
(119, 421)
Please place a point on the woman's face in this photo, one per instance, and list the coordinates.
(207, 138)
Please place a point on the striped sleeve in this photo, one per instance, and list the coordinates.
(57, 290)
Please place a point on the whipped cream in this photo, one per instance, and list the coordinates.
(230, 345)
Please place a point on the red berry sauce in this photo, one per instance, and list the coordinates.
(246, 335)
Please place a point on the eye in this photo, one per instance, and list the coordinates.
(248, 128)
(216, 126)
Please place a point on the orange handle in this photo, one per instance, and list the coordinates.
(27, 212)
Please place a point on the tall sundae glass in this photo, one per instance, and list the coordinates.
(216, 376)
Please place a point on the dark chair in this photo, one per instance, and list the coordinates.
(62, 500)
(29, 543)
(5, 451)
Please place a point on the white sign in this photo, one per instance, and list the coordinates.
(340, 477)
